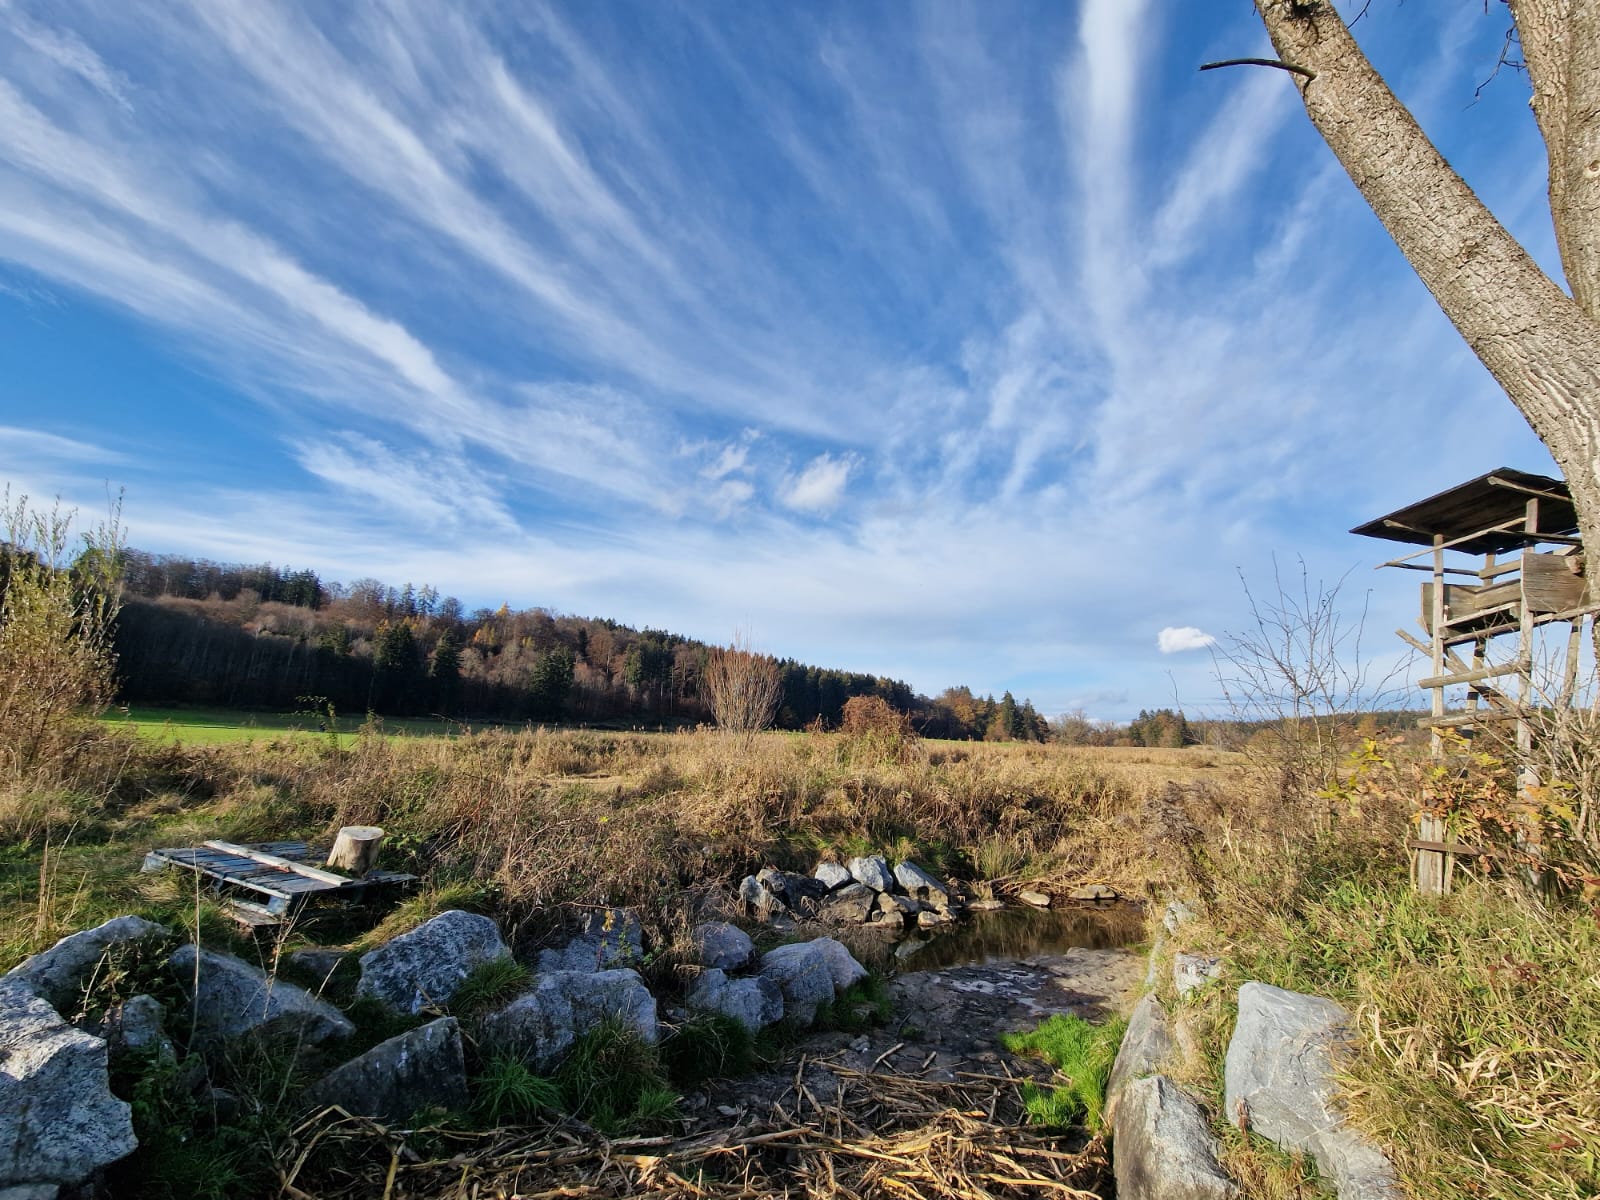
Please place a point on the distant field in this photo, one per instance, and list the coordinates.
(201, 726)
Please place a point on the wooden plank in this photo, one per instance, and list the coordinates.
(273, 860)
(1459, 719)
(1551, 583)
(211, 870)
(1435, 681)
(1445, 847)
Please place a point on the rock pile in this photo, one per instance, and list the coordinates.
(63, 1124)
(863, 891)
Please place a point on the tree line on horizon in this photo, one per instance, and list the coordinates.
(197, 632)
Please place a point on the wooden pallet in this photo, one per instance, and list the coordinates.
(267, 883)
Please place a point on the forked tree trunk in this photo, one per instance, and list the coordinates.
(1540, 344)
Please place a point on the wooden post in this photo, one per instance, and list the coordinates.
(1431, 867)
(355, 850)
(1527, 776)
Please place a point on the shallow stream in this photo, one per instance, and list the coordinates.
(1006, 934)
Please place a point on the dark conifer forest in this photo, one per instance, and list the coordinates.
(194, 632)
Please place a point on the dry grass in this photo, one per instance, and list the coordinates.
(534, 821)
(877, 1135)
(1478, 1063)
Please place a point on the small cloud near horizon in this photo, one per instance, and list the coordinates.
(1175, 639)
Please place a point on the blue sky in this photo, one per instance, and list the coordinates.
(960, 343)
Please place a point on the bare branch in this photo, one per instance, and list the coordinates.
(1260, 62)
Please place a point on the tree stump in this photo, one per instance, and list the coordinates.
(355, 850)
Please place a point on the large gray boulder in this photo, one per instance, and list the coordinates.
(921, 885)
(832, 874)
(59, 973)
(229, 997)
(425, 966)
(59, 1122)
(1145, 1048)
(1278, 1081)
(722, 945)
(1162, 1148)
(754, 1001)
(420, 1069)
(842, 965)
(872, 870)
(803, 972)
(611, 938)
(542, 1024)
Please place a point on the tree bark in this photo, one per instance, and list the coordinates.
(1540, 344)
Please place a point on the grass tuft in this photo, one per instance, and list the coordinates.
(506, 1092)
(487, 986)
(1083, 1053)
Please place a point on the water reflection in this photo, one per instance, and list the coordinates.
(1007, 934)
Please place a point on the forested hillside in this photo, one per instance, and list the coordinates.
(198, 632)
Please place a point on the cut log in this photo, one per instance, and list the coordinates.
(355, 850)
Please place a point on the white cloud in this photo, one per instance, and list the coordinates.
(33, 446)
(821, 485)
(1175, 639)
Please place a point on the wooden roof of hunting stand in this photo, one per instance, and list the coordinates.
(1492, 515)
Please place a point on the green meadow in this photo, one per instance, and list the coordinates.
(211, 726)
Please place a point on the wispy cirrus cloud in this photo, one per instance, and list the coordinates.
(627, 310)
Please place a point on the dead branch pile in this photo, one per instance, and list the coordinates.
(882, 1135)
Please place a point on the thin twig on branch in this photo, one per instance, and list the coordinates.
(1296, 68)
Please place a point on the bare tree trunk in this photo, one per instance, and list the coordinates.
(1541, 345)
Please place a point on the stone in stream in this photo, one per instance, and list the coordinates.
(425, 966)
(229, 997)
(804, 974)
(755, 1001)
(1278, 1082)
(1037, 899)
(873, 871)
(833, 874)
(930, 918)
(986, 905)
(722, 945)
(897, 906)
(423, 1068)
(1162, 1148)
(1092, 892)
(922, 886)
(61, 1123)
(850, 905)
(59, 973)
(543, 1023)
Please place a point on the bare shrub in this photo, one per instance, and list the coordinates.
(57, 623)
(744, 687)
(1299, 673)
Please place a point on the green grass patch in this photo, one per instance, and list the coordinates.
(213, 726)
(506, 1092)
(487, 986)
(1082, 1053)
(612, 1079)
(707, 1046)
